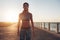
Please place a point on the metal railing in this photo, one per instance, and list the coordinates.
(50, 26)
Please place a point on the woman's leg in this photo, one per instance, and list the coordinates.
(22, 34)
(28, 34)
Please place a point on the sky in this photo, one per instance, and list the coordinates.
(42, 10)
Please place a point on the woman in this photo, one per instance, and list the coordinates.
(26, 21)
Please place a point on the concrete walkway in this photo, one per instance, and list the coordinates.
(44, 35)
(10, 33)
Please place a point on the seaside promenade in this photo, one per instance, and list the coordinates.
(10, 33)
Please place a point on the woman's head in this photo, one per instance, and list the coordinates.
(25, 6)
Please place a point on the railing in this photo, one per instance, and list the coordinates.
(50, 26)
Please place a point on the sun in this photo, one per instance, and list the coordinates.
(11, 16)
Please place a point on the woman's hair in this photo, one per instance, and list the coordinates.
(25, 3)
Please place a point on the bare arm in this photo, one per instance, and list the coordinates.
(32, 24)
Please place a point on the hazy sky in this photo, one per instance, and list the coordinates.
(42, 10)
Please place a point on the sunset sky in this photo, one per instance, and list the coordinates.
(42, 10)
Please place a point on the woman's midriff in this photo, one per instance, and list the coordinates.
(25, 24)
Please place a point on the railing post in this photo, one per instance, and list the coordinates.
(49, 26)
(57, 27)
(41, 25)
(44, 25)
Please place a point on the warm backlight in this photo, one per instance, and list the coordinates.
(11, 16)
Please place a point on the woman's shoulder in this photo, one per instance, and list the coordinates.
(30, 13)
(20, 13)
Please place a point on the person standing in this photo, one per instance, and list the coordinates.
(25, 23)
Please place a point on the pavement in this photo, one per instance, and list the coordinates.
(10, 33)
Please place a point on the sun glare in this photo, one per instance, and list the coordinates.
(11, 16)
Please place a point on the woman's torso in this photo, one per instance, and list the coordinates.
(25, 20)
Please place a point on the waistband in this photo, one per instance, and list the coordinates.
(26, 28)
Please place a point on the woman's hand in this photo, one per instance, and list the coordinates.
(33, 32)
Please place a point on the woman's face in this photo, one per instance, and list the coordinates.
(25, 6)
